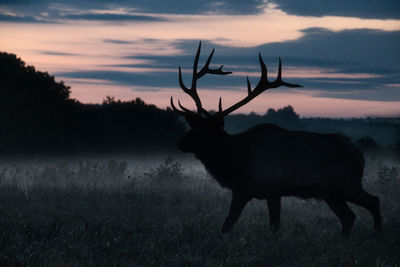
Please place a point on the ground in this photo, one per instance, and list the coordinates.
(168, 212)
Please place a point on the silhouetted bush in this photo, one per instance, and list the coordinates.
(170, 169)
(397, 149)
(367, 144)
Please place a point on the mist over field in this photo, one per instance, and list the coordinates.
(166, 210)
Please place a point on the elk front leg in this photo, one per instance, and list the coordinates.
(274, 209)
(237, 205)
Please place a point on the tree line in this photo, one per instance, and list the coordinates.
(37, 115)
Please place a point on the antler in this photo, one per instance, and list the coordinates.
(262, 86)
(192, 91)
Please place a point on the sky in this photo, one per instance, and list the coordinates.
(346, 54)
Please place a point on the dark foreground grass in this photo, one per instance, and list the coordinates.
(161, 220)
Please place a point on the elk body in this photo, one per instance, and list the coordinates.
(269, 162)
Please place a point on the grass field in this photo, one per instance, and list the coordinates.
(169, 213)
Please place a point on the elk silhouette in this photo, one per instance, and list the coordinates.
(268, 162)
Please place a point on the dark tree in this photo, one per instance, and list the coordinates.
(24, 84)
(37, 115)
(32, 104)
(284, 117)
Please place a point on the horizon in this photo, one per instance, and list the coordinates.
(345, 55)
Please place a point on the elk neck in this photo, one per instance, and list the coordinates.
(218, 158)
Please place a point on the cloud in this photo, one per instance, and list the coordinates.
(384, 94)
(349, 51)
(55, 53)
(147, 6)
(15, 2)
(23, 18)
(112, 17)
(115, 41)
(124, 78)
(199, 7)
(353, 64)
(382, 9)
(58, 12)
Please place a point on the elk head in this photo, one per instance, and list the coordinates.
(206, 128)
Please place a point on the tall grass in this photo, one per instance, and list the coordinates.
(109, 213)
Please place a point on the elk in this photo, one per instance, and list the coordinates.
(269, 162)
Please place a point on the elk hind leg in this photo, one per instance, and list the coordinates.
(343, 212)
(237, 205)
(274, 209)
(371, 203)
